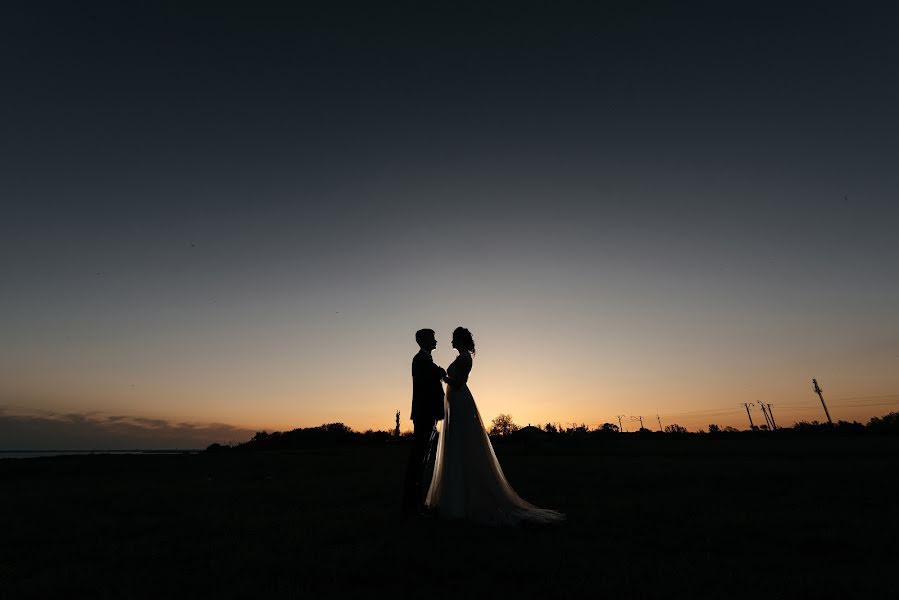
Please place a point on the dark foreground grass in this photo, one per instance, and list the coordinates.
(811, 518)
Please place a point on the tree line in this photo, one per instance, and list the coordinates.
(504, 426)
(504, 429)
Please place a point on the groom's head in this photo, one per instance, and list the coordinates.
(426, 340)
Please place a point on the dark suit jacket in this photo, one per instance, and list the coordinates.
(427, 392)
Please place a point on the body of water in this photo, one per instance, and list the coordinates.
(39, 453)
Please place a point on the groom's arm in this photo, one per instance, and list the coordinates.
(427, 370)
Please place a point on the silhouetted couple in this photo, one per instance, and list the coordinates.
(467, 482)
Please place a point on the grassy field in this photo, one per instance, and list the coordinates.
(796, 518)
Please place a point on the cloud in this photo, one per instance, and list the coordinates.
(85, 431)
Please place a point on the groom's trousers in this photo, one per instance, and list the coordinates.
(413, 491)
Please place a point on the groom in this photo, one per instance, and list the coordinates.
(427, 409)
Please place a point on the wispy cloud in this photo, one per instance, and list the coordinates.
(83, 431)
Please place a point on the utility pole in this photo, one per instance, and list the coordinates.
(746, 405)
(641, 422)
(765, 412)
(771, 414)
(660, 423)
(818, 391)
(620, 426)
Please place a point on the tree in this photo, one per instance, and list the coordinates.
(503, 425)
(337, 429)
(888, 423)
(675, 428)
(714, 428)
(850, 427)
(608, 428)
(806, 426)
(550, 428)
(396, 430)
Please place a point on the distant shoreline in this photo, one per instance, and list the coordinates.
(40, 453)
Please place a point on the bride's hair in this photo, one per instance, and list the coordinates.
(463, 339)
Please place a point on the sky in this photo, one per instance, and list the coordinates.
(225, 217)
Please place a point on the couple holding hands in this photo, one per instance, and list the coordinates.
(467, 482)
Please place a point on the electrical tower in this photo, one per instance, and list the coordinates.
(765, 412)
(620, 426)
(818, 391)
(660, 423)
(771, 414)
(746, 405)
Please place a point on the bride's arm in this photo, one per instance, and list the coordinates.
(463, 368)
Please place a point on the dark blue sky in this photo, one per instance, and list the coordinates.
(219, 200)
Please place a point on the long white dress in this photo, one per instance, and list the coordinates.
(468, 482)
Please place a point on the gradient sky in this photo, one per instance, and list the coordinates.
(240, 213)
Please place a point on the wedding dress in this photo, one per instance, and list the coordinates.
(468, 482)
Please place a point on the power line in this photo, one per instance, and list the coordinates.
(844, 402)
(865, 397)
(811, 406)
(704, 411)
(863, 405)
(850, 405)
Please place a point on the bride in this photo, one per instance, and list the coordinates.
(468, 482)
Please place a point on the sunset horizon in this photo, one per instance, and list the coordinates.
(92, 429)
(532, 299)
(214, 215)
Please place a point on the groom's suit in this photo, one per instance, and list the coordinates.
(427, 408)
(427, 392)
